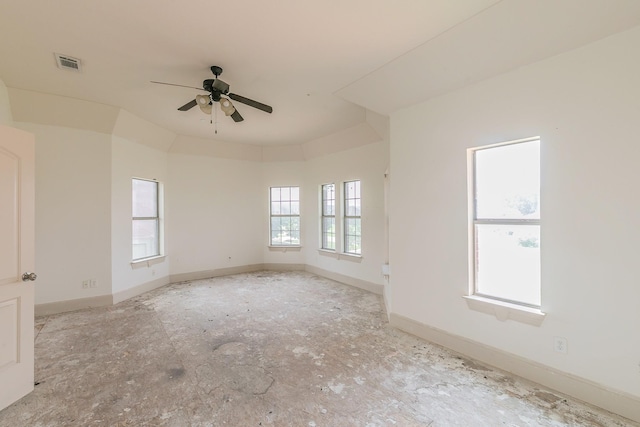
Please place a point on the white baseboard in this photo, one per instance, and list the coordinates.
(106, 300)
(347, 280)
(140, 289)
(283, 267)
(207, 274)
(50, 308)
(618, 402)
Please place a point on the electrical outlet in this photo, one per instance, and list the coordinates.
(85, 284)
(93, 283)
(560, 345)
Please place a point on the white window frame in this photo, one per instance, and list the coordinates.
(346, 217)
(325, 216)
(157, 218)
(281, 215)
(503, 308)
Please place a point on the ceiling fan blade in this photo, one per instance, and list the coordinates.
(189, 105)
(237, 117)
(173, 84)
(251, 102)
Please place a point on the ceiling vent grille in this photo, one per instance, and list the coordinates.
(66, 62)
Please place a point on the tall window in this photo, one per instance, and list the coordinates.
(352, 220)
(506, 221)
(285, 216)
(328, 225)
(146, 219)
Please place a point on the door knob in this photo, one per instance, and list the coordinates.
(29, 277)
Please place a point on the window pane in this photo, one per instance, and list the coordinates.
(275, 194)
(349, 189)
(145, 238)
(295, 223)
(329, 233)
(295, 193)
(508, 262)
(285, 208)
(275, 208)
(507, 181)
(351, 208)
(328, 192)
(285, 193)
(285, 231)
(352, 235)
(295, 208)
(145, 198)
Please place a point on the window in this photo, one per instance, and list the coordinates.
(146, 219)
(328, 217)
(506, 222)
(285, 216)
(352, 220)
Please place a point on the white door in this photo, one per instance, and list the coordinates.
(16, 259)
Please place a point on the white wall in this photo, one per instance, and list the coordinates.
(129, 160)
(585, 107)
(367, 164)
(73, 208)
(139, 149)
(216, 213)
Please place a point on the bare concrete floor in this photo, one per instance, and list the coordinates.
(285, 349)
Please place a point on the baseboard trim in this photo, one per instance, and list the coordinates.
(618, 402)
(347, 280)
(283, 267)
(140, 289)
(49, 308)
(107, 300)
(207, 274)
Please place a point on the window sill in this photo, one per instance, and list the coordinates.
(340, 255)
(147, 262)
(504, 310)
(283, 248)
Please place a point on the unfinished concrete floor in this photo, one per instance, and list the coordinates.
(267, 348)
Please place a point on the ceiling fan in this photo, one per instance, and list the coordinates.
(219, 92)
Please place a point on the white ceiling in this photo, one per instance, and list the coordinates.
(318, 63)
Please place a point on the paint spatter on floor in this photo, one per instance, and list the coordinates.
(265, 349)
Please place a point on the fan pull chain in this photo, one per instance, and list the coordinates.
(214, 111)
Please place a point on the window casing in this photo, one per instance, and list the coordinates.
(146, 230)
(505, 224)
(284, 216)
(328, 217)
(352, 219)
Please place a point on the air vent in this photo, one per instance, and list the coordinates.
(66, 62)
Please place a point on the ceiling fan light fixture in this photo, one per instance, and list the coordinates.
(227, 107)
(203, 100)
(206, 109)
(204, 103)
